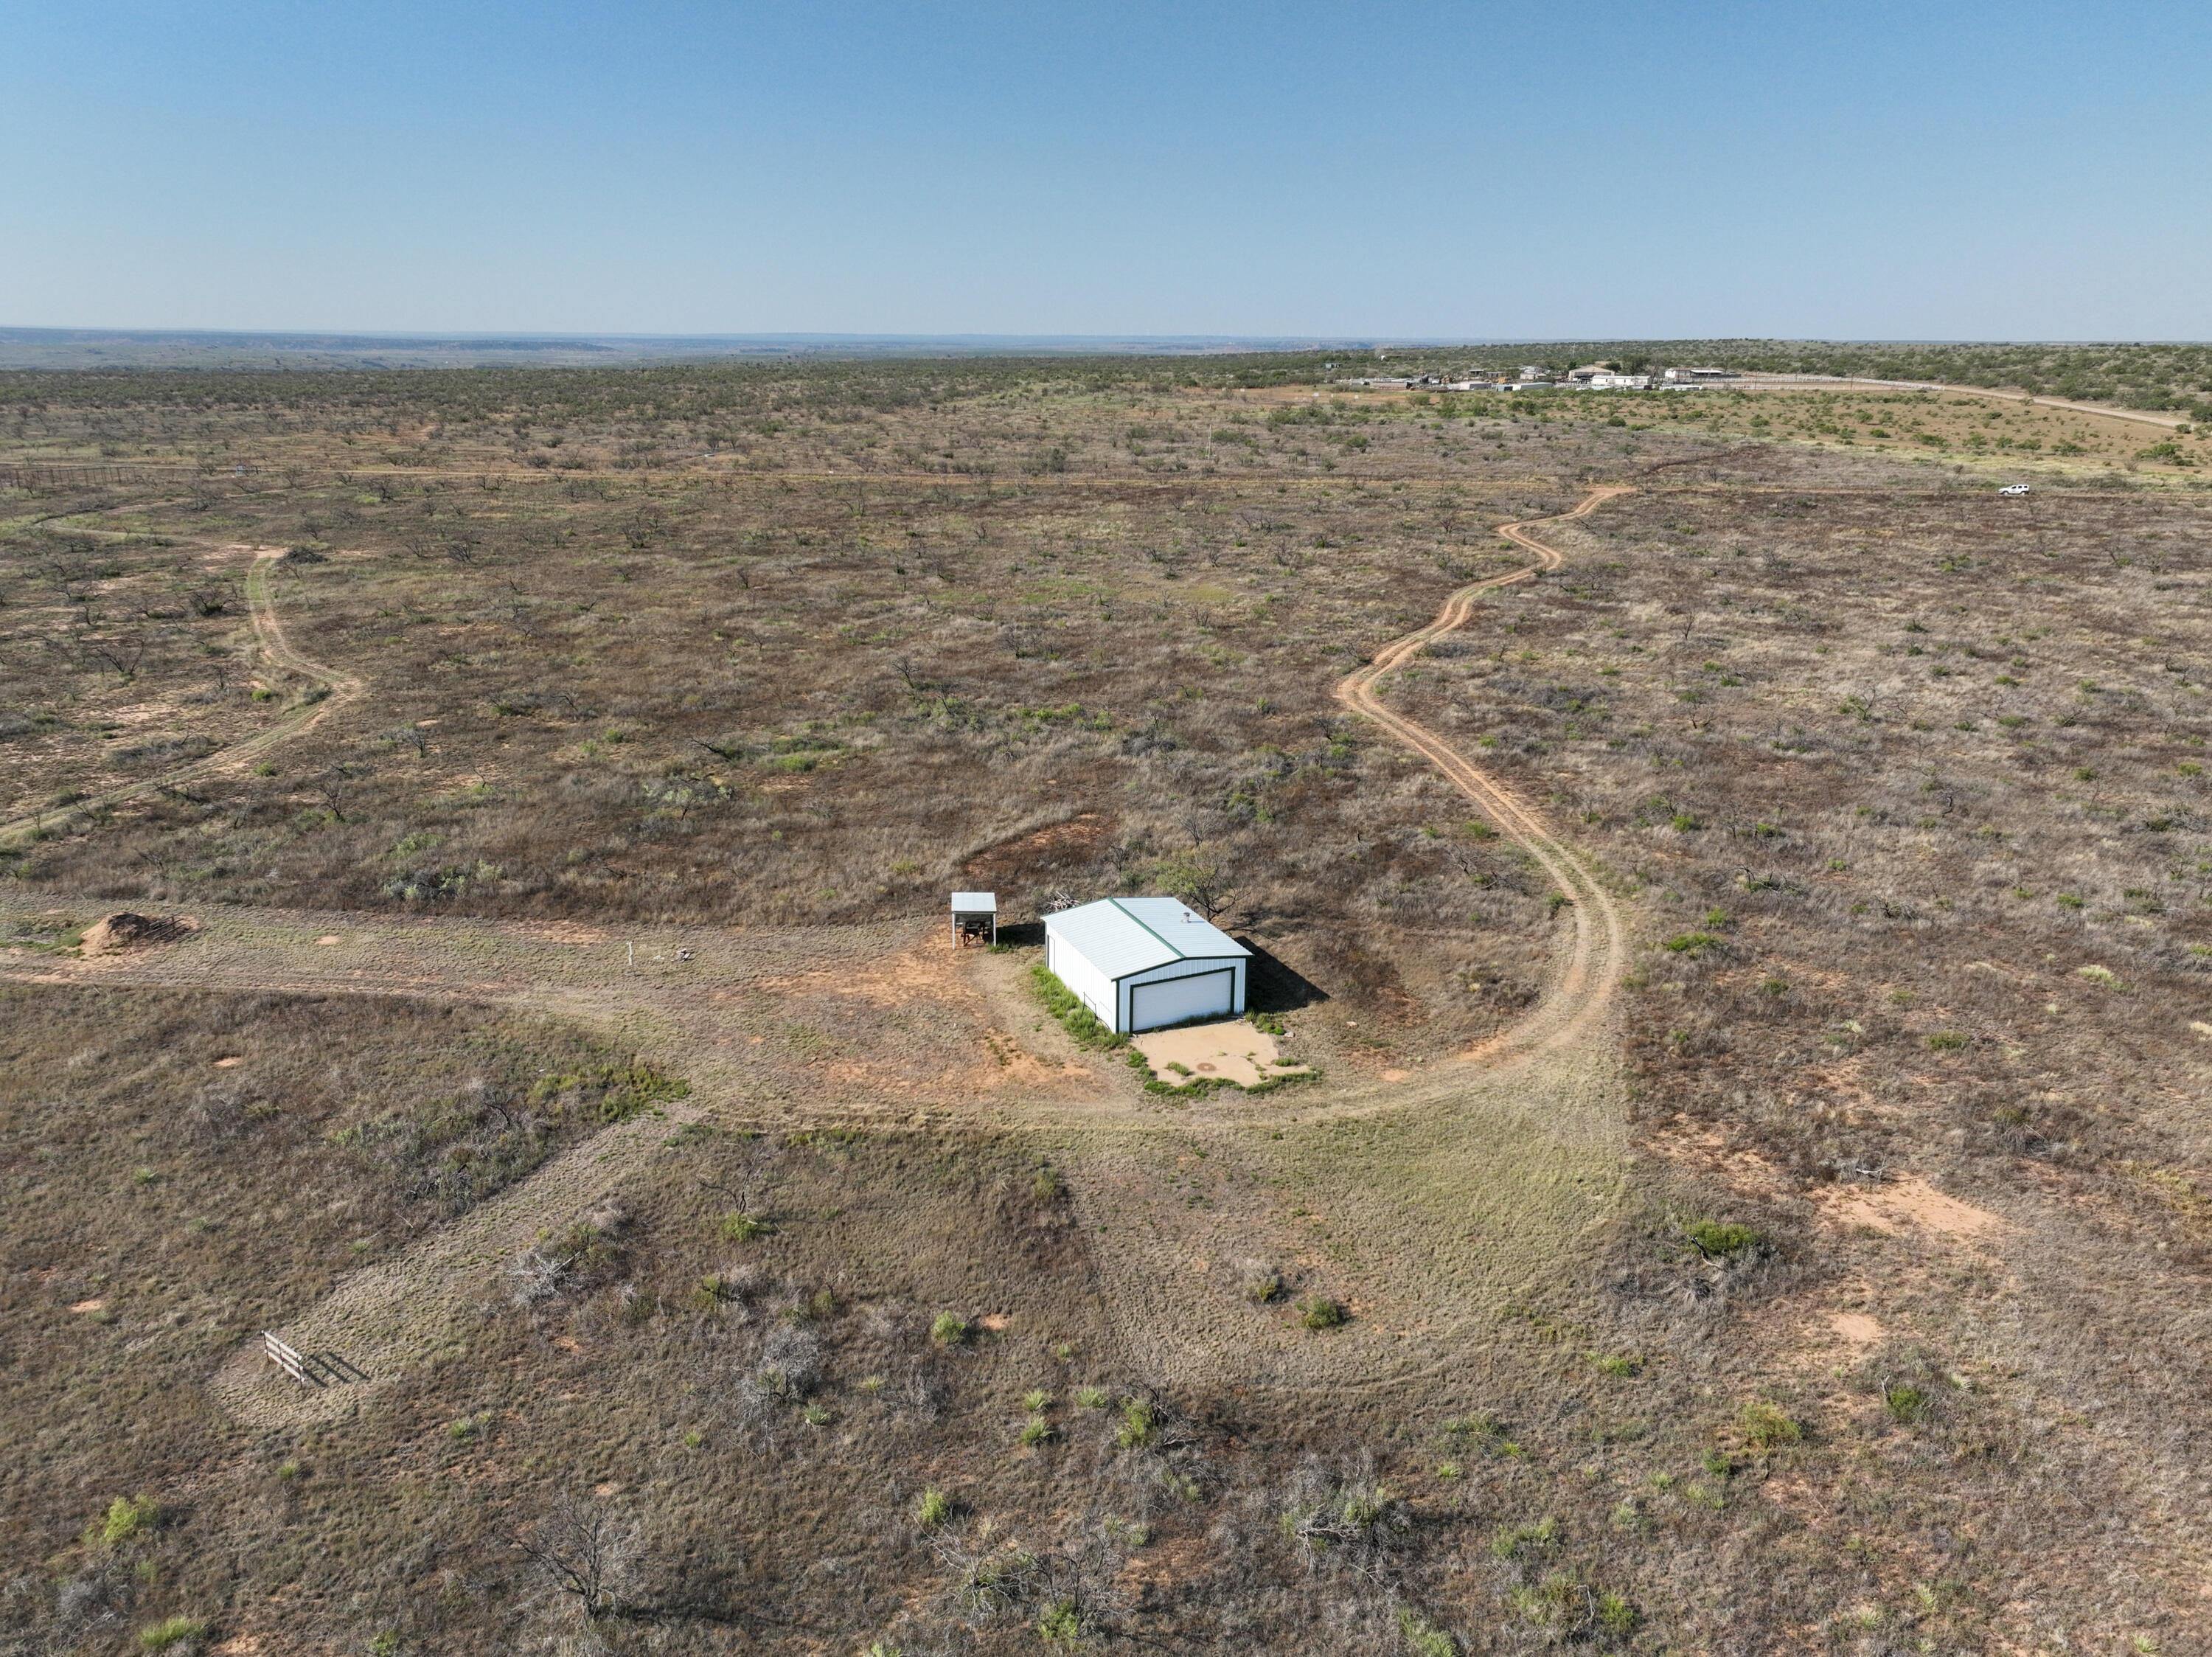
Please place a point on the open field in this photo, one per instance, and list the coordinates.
(1747, 921)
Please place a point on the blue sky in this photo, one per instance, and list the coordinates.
(1577, 168)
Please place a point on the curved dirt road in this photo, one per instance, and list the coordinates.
(1585, 976)
(382, 1317)
(337, 689)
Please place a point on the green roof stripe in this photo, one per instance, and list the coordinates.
(1180, 953)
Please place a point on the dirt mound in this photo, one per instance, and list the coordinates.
(124, 930)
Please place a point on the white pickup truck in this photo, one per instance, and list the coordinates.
(2014, 489)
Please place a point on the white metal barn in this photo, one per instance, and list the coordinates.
(1139, 963)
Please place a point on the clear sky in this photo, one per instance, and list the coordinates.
(1569, 168)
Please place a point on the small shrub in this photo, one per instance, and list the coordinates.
(128, 1519)
(171, 1632)
(1719, 1241)
(1423, 1637)
(1616, 1615)
(934, 1508)
(1263, 1285)
(743, 1228)
(1518, 1541)
(1943, 1041)
(1036, 1430)
(1062, 1625)
(1091, 1397)
(950, 1328)
(1767, 1427)
(1036, 1401)
(1320, 1311)
(1905, 1404)
(1140, 1425)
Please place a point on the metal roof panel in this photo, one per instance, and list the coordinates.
(1124, 936)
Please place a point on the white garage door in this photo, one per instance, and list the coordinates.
(1200, 995)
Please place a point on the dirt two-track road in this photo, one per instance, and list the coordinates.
(1463, 1181)
(328, 692)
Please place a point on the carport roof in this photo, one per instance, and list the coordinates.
(1123, 935)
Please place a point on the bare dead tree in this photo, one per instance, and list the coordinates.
(122, 654)
(585, 1550)
(327, 787)
(752, 1178)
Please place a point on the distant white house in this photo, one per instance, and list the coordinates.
(1619, 382)
(1141, 963)
(1696, 376)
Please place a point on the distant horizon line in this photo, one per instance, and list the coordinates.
(1276, 341)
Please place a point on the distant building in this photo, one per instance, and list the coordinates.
(1609, 381)
(1696, 376)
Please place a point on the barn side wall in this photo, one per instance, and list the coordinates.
(1089, 985)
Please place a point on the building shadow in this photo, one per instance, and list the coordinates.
(1022, 934)
(1271, 985)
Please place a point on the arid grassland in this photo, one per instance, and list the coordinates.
(545, 787)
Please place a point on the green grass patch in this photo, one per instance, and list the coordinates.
(1084, 1025)
(1717, 1240)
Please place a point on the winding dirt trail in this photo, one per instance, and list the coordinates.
(1488, 1110)
(335, 690)
(1586, 974)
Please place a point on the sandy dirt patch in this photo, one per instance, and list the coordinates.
(569, 932)
(1912, 1205)
(922, 973)
(1856, 1328)
(1231, 1050)
(327, 940)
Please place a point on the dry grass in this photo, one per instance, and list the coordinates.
(1048, 627)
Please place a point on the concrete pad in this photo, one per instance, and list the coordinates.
(1231, 1048)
